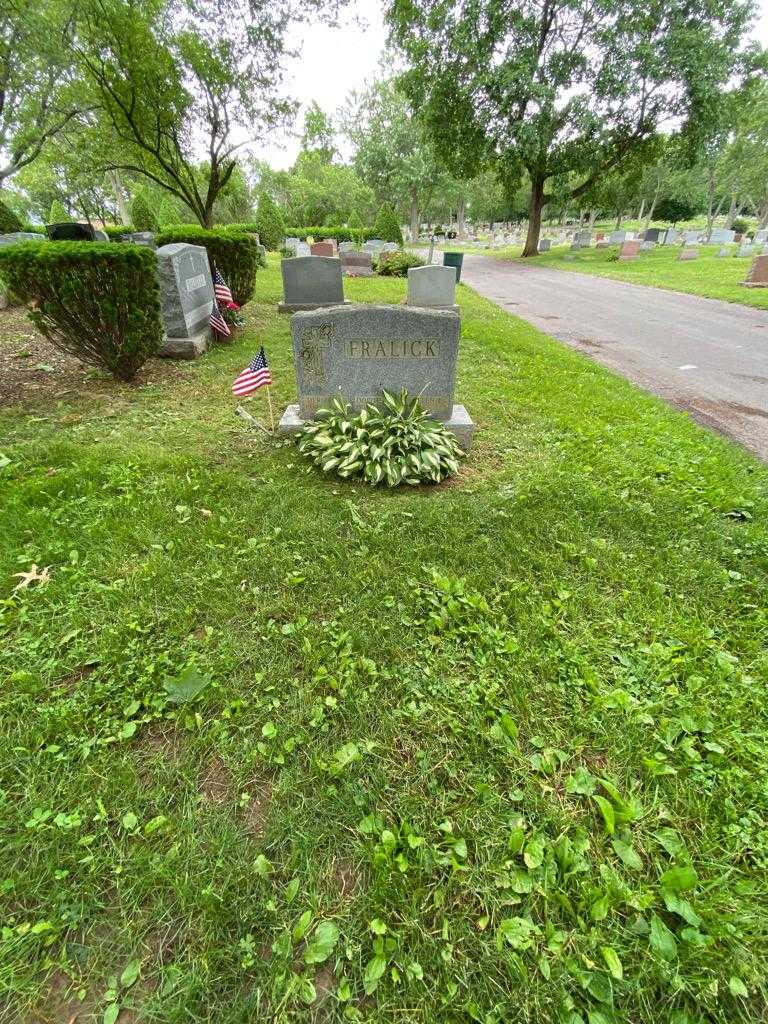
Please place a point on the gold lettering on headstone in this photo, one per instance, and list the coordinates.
(396, 348)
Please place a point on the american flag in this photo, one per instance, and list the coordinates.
(221, 290)
(218, 323)
(254, 376)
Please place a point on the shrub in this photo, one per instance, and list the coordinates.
(57, 213)
(39, 229)
(740, 226)
(97, 300)
(387, 226)
(395, 444)
(235, 253)
(9, 222)
(671, 209)
(397, 264)
(142, 214)
(269, 223)
(116, 231)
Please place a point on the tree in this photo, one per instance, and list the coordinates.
(558, 87)
(269, 223)
(166, 75)
(319, 134)
(392, 152)
(386, 225)
(672, 210)
(39, 90)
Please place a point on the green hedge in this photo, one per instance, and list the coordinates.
(100, 301)
(340, 234)
(39, 229)
(9, 222)
(235, 253)
(116, 230)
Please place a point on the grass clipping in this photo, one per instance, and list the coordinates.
(396, 444)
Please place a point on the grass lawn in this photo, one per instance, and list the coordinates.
(712, 276)
(279, 748)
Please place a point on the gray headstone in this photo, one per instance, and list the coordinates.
(390, 247)
(14, 237)
(545, 244)
(653, 234)
(356, 264)
(745, 250)
(617, 237)
(141, 238)
(721, 236)
(186, 289)
(303, 249)
(310, 282)
(761, 236)
(356, 351)
(671, 236)
(691, 236)
(646, 245)
(291, 243)
(723, 252)
(100, 236)
(347, 247)
(432, 287)
(374, 245)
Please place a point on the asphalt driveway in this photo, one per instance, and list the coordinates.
(702, 355)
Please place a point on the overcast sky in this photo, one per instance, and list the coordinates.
(335, 61)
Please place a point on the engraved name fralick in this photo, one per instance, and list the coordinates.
(397, 348)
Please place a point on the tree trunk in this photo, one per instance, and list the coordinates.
(592, 219)
(733, 211)
(619, 218)
(414, 215)
(534, 217)
(122, 205)
(461, 227)
(639, 212)
(652, 207)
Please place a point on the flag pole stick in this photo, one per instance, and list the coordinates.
(271, 414)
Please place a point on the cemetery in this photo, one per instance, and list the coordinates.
(367, 654)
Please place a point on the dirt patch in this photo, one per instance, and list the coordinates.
(256, 811)
(748, 410)
(73, 679)
(215, 785)
(588, 343)
(345, 879)
(32, 370)
(325, 983)
(60, 1004)
(163, 738)
(164, 943)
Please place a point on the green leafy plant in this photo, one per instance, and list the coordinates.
(397, 264)
(57, 214)
(395, 444)
(100, 301)
(235, 253)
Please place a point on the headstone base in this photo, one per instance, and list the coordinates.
(186, 348)
(304, 307)
(460, 424)
(453, 308)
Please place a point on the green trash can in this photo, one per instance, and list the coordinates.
(454, 259)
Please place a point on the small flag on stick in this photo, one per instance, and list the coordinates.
(217, 321)
(221, 290)
(254, 376)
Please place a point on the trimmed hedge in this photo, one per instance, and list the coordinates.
(387, 225)
(9, 222)
(269, 222)
(340, 234)
(235, 253)
(115, 231)
(99, 301)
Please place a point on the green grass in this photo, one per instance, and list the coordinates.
(384, 803)
(711, 276)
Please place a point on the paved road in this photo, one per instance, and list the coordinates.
(702, 355)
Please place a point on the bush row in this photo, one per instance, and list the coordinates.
(100, 301)
(235, 253)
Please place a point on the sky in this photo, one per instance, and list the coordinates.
(333, 61)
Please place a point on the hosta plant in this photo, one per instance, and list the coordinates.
(396, 443)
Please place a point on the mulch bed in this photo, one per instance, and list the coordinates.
(31, 369)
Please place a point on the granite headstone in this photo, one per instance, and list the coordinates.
(629, 250)
(186, 299)
(432, 287)
(310, 282)
(354, 352)
(356, 264)
(322, 249)
(688, 254)
(758, 273)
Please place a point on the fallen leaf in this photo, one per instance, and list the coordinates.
(205, 512)
(35, 575)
